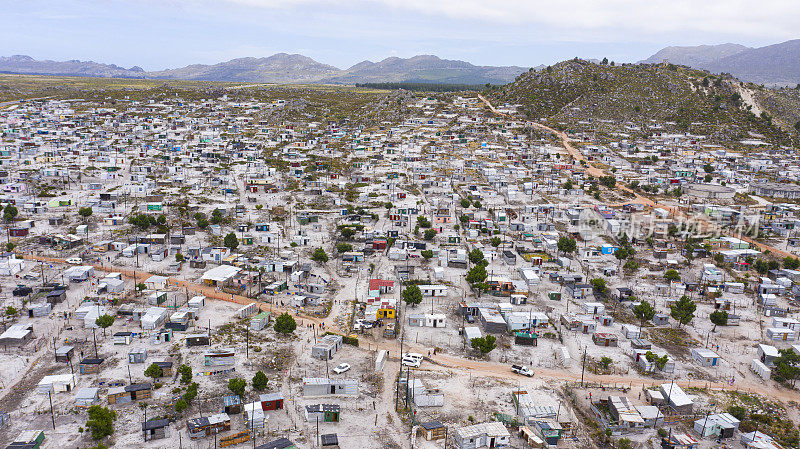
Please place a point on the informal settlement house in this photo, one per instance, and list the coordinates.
(490, 434)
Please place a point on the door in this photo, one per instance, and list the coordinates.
(333, 389)
(491, 442)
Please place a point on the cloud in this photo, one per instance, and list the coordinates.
(588, 19)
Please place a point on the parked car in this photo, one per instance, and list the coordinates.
(343, 367)
(524, 370)
(31, 277)
(412, 359)
(74, 260)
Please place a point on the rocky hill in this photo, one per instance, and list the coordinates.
(575, 93)
(777, 64)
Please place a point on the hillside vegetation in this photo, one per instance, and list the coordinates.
(578, 94)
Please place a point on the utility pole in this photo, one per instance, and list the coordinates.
(94, 337)
(583, 367)
(52, 415)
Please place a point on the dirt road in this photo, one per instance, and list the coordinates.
(449, 362)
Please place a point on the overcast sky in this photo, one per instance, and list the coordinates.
(159, 34)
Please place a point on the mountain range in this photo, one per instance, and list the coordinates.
(282, 68)
(777, 64)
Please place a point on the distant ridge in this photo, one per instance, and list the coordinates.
(282, 68)
(777, 64)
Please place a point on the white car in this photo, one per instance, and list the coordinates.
(412, 359)
(343, 367)
(74, 260)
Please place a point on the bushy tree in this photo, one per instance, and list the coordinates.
(181, 405)
(85, 212)
(237, 385)
(104, 322)
(343, 247)
(153, 371)
(719, 318)
(599, 284)
(10, 213)
(683, 310)
(186, 373)
(423, 222)
(791, 263)
(427, 254)
(319, 255)
(465, 203)
(644, 311)
(787, 366)
(475, 256)
(260, 381)
(567, 245)
(476, 274)
(285, 324)
(412, 295)
(430, 234)
(101, 422)
(495, 241)
(484, 344)
(672, 276)
(231, 241)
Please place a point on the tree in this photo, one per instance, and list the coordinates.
(347, 233)
(430, 234)
(495, 241)
(181, 405)
(599, 284)
(186, 373)
(683, 310)
(608, 181)
(85, 212)
(231, 241)
(319, 255)
(179, 257)
(672, 276)
(285, 324)
(104, 322)
(423, 222)
(202, 223)
(237, 386)
(567, 245)
(153, 371)
(101, 422)
(463, 219)
(427, 254)
(476, 274)
(343, 247)
(11, 311)
(260, 381)
(476, 204)
(787, 366)
(708, 168)
(761, 266)
(10, 213)
(644, 311)
(707, 179)
(791, 263)
(465, 203)
(719, 318)
(412, 295)
(10, 246)
(216, 216)
(606, 361)
(475, 256)
(484, 344)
